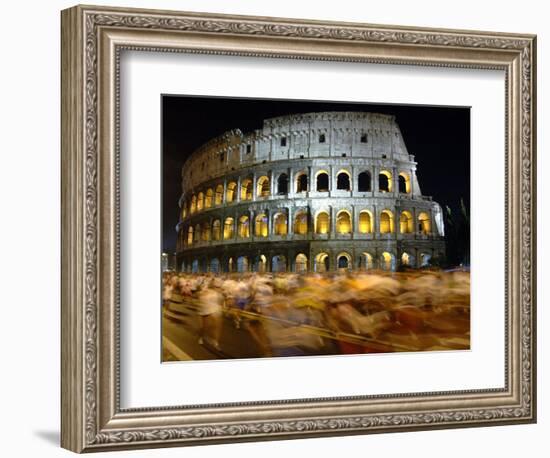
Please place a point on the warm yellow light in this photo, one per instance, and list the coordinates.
(244, 227)
(365, 223)
(322, 223)
(280, 224)
(424, 223)
(343, 223)
(262, 187)
(260, 226)
(386, 222)
(231, 187)
(300, 223)
(406, 223)
(228, 228)
(218, 198)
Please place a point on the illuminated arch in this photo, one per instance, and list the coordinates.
(300, 222)
(263, 187)
(228, 228)
(261, 226)
(262, 264)
(190, 235)
(244, 226)
(200, 201)
(246, 189)
(208, 198)
(197, 233)
(301, 263)
(280, 224)
(322, 263)
(343, 180)
(365, 222)
(406, 223)
(231, 191)
(387, 261)
(404, 181)
(386, 222)
(343, 222)
(424, 224)
(205, 232)
(193, 205)
(218, 196)
(407, 259)
(366, 261)
(384, 181)
(216, 230)
(322, 223)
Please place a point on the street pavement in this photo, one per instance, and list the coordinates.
(181, 325)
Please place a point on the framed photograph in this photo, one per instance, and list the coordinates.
(278, 228)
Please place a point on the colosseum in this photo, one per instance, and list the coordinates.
(307, 192)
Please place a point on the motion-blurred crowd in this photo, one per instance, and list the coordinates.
(333, 313)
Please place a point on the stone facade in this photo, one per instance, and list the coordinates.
(307, 192)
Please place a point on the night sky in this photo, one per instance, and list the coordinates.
(438, 137)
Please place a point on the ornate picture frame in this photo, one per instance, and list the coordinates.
(92, 41)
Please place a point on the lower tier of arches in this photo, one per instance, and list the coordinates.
(305, 257)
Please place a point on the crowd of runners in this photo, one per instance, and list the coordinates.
(350, 312)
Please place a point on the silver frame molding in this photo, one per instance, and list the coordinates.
(92, 40)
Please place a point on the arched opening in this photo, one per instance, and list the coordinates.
(208, 198)
(218, 197)
(366, 261)
(425, 259)
(322, 181)
(387, 261)
(343, 181)
(189, 235)
(301, 263)
(424, 226)
(278, 263)
(184, 212)
(321, 263)
(282, 184)
(300, 223)
(322, 223)
(216, 230)
(215, 265)
(301, 182)
(195, 266)
(280, 224)
(386, 222)
(244, 227)
(193, 207)
(406, 259)
(364, 182)
(261, 225)
(263, 188)
(197, 233)
(242, 264)
(404, 182)
(262, 264)
(231, 191)
(228, 228)
(406, 225)
(230, 265)
(343, 222)
(200, 201)
(384, 181)
(365, 222)
(246, 189)
(205, 232)
(344, 261)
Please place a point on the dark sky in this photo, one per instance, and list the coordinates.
(439, 138)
